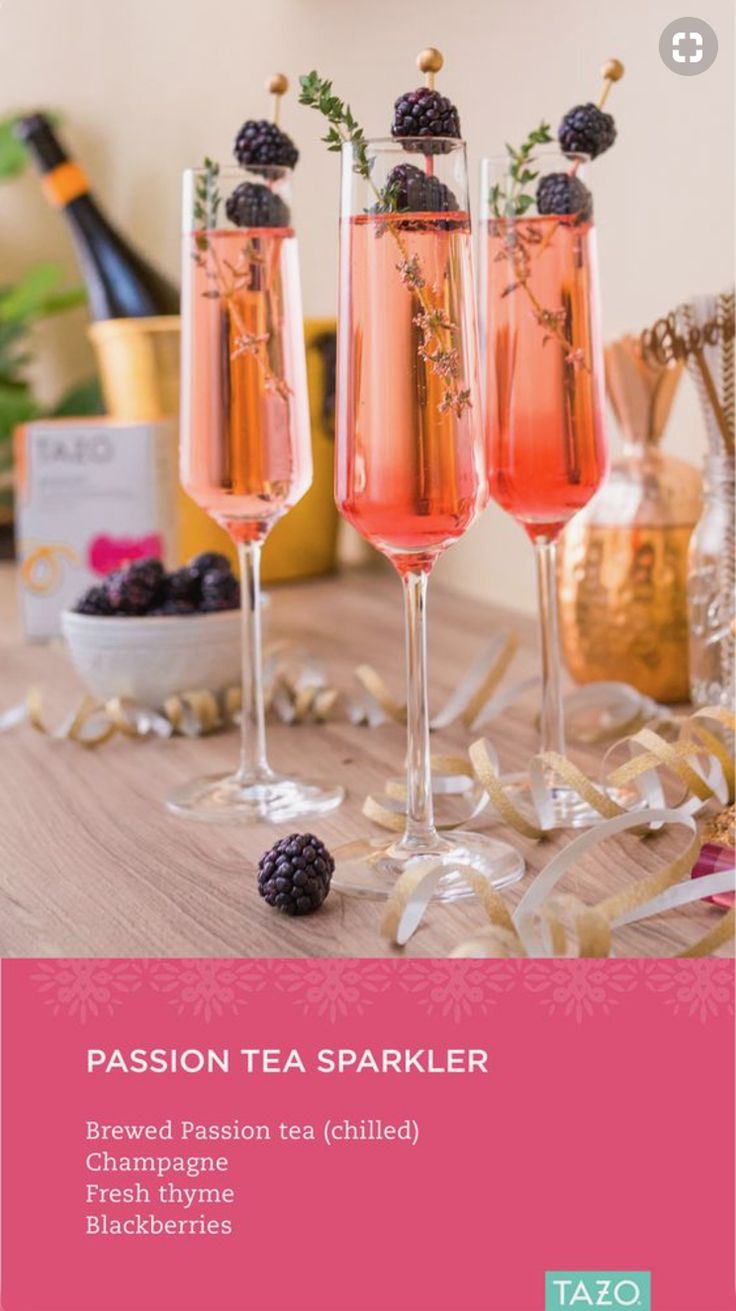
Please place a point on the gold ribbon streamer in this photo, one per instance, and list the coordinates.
(717, 937)
(591, 926)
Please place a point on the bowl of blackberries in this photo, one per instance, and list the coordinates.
(149, 634)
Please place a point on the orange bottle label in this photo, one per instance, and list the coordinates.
(64, 183)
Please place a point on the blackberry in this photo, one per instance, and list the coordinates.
(410, 188)
(94, 602)
(219, 591)
(425, 113)
(586, 130)
(561, 193)
(175, 606)
(261, 142)
(136, 588)
(295, 875)
(252, 205)
(204, 563)
(184, 585)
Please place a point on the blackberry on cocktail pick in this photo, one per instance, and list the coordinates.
(563, 193)
(261, 142)
(424, 112)
(409, 188)
(251, 205)
(295, 875)
(585, 129)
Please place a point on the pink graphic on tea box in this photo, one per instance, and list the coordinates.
(107, 553)
(605, 1081)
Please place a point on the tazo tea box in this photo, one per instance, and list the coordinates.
(91, 494)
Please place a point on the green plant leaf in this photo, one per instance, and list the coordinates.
(16, 406)
(13, 156)
(82, 398)
(25, 299)
(61, 301)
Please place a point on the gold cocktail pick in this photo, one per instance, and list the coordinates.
(430, 62)
(277, 86)
(612, 71)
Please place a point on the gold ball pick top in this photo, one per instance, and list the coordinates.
(612, 71)
(277, 86)
(430, 62)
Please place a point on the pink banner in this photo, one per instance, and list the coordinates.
(340, 1135)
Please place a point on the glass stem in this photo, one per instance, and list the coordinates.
(420, 830)
(552, 719)
(253, 760)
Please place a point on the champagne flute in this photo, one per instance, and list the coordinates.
(246, 450)
(543, 368)
(410, 471)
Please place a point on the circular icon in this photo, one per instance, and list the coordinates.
(688, 46)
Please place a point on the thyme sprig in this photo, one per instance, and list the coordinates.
(317, 94)
(507, 206)
(518, 239)
(227, 280)
(437, 346)
(207, 199)
(513, 201)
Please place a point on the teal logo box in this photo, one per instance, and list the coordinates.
(615, 1290)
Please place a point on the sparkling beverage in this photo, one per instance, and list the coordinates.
(410, 471)
(244, 404)
(543, 376)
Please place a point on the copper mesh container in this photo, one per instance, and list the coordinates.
(623, 560)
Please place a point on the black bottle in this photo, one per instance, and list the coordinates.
(120, 284)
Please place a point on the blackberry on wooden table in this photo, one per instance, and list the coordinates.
(295, 875)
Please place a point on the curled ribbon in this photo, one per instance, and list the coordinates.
(544, 922)
(548, 925)
(296, 691)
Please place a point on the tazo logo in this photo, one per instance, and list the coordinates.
(81, 448)
(688, 46)
(614, 1289)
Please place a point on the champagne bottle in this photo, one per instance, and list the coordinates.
(120, 284)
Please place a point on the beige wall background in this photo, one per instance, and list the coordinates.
(147, 87)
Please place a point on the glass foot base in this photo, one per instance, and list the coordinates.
(373, 871)
(569, 810)
(267, 799)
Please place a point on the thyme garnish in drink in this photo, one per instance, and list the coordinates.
(407, 190)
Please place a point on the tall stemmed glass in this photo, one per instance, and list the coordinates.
(410, 472)
(543, 369)
(246, 451)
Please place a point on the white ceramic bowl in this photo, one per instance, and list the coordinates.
(155, 656)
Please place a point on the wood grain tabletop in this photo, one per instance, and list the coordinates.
(91, 863)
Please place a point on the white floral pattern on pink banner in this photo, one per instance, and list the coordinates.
(87, 989)
(207, 988)
(332, 989)
(579, 989)
(457, 988)
(700, 989)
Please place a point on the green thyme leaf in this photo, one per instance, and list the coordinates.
(514, 201)
(316, 93)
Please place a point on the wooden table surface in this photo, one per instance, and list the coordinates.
(91, 863)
